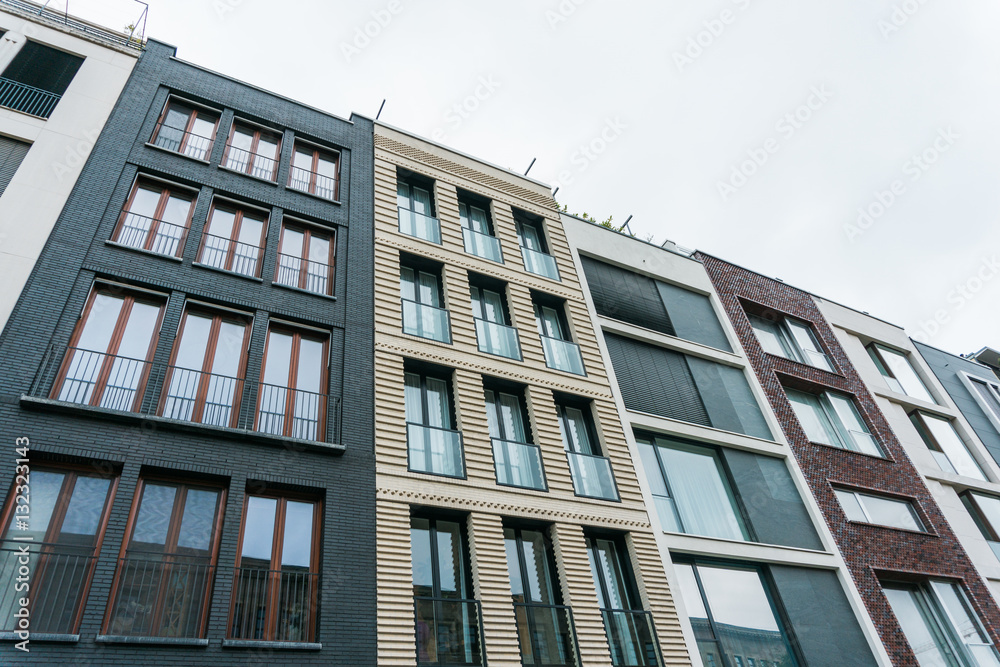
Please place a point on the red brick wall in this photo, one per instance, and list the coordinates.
(869, 551)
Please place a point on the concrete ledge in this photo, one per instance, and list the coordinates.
(40, 637)
(161, 641)
(252, 643)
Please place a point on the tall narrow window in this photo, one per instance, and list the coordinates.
(233, 239)
(630, 630)
(544, 626)
(561, 352)
(415, 205)
(107, 363)
(789, 338)
(207, 367)
(66, 516)
(36, 78)
(898, 373)
(315, 170)
(434, 446)
(306, 258)
(477, 227)
(424, 314)
(12, 152)
(164, 577)
(987, 394)
(985, 511)
(518, 462)
(947, 446)
(447, 617)
(832, 419)
(186, 129)
(292, 397)
(591, 470)
(276, 588)
(879, 510)
(253, 151)
(494, 332)
(156, 218)
(534, 249)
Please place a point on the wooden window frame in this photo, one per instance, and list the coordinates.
(293, 371)
(194, 111)
(317, 152)
(308, 231)
(240, 212)
(256, 133)
(166, 190)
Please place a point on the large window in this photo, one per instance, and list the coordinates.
(315, 170)
(733, 616)
(534, 248)
(156, 218)
(292, 396)
(186, 129)
(306, 258)
(434, 446)
(165, 575)
(36, 78)
(107, 363)
(985, 511)
(544, 626)
(477, 227)
(591, 470)
(940, 624)
(12, 152)
(987, 394)
(233, 238)
(790, 338)
(517, 460)
(690, 489)
(416, 207)
(879, 510)
(832, 419)
(276, 588)
(561, 352)
(898, 373)
(494, 331)
(950, 451)
(252, 150)
(61, 525)
(447, 617)
(422, 296)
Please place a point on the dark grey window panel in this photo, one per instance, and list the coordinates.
(11, 154)
(626, 296)
(771, 502)
(820, 616)
(43, 67)
(728, 398)
(693, 316)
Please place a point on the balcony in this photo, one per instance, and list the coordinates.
(58, 578)
(448, 632)
(419, 225)
(632, 638)
(274, 605)
(563, 355)
(252, 164)
(539, 263)
(314, 183)
(27, 99)
(435, 450)
(168, 238)
(482, 245)
(518, 464)
(176, 140)
(546, 635)
(224, 253)
(498, 339)
(592, 476)
(420, 319)
(304, 274)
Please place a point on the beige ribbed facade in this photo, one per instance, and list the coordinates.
(485, 504)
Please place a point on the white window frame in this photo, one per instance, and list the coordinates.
(860, 495)
(967, 379)
(800, 355)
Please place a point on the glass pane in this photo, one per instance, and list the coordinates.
(421, 200)
(145, 201)
(186, 375)
(529, 237)
(904, 373)
(45, 487)
(291, 242)
(198, 521)
(133, 350)
(296, 543)
(217, 242)
(771, 337)
(309, 374)
(920, 628)
(513, 565)
(695, 606)
(279, 358)
(511, 419)
(101, 321)
(888, 512)
(703, 500)
(548, 322)
(420, 550)
(402, 195)
(449, 552)
(155, 509)
(139, 331)
(540, 587)
(258, 531)
(813, 418)
(577, 439)
(428, 292)
(806, 340)
(610, 578)
(847, 412)
(86, 505)
(303, 159)
(407, 283)
(414, 399)
(438, 411)
(852, 508)
(953, 446)
(989, 507)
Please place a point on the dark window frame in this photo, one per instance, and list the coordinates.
(309, 231)
(318, 152)
(192, 110)
(256, 132)
(166, 191)
(240, 211)
(297, 335)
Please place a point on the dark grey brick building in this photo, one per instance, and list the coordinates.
(191, 363)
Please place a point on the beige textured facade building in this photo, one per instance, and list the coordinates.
(511, 524)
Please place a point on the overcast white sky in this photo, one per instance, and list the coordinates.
(686, 91)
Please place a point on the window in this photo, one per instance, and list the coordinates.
(420, 289)
(690, 489)
(544, 626)
(732, 615)
(107, 363)
(186, 129)
(561, 352)
(434, 447)
(416, 207)
(879, 510)
(36, 78)
(233, 239)
(948, 448)
(448, 630)
(789, 338)
(316, 171)
(534, 249)
(518, 462)
(591, 471)
(630, 631)
(898, 373)
(987, 394)
(985, 511)
(253, 151)
(11, 154)
(292, 398)
(67, 513)
(156, 218)
(832, 419)
(306, 258)
(276, 588)
(494, 332)
(477, 227)
(940, 624)
(205, 379)
(165, 574)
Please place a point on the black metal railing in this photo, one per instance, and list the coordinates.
(313, 183)
(27, 99)
(248, 162)
(632, 638)
(307, 274)
(186, 143)
(57, 579)
(63, 18)
(225, 253)
(274, 605)
(168, 237)
(449, 632)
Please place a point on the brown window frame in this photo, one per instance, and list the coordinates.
(166, 190)
(256, 133)
(293, 370)
(317, 152)
(194, 110)
(308, 231)
(234, 234)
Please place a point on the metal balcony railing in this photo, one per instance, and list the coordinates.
(186, 143)
(426, 321)
(518, 464)
(57, 580)
(632, 638)
(546, 635)
(27, 99)
(449, 632)
(539, 263)
(563, 355)
(167, 237)
(248, 162)
(419, 225)
(274, 605)
(63, 18)
(499, 339)
(307, 274)
(159, 595)
(592, 476)
(482, 245)
(229, 255)
(313, 182)
(435, 450)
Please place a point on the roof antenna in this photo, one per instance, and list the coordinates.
(530, 166)
(380, 110)
(625, 226)
(554, 192)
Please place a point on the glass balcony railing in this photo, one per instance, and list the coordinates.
(498, 339)
(420, 319)
(419, 225)
(482, 245)
(563, 355)
(449, 632)
(518, 464)
(435, 450)
(592, 476)
(632, 638)
(546, 635)
(539, 263)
